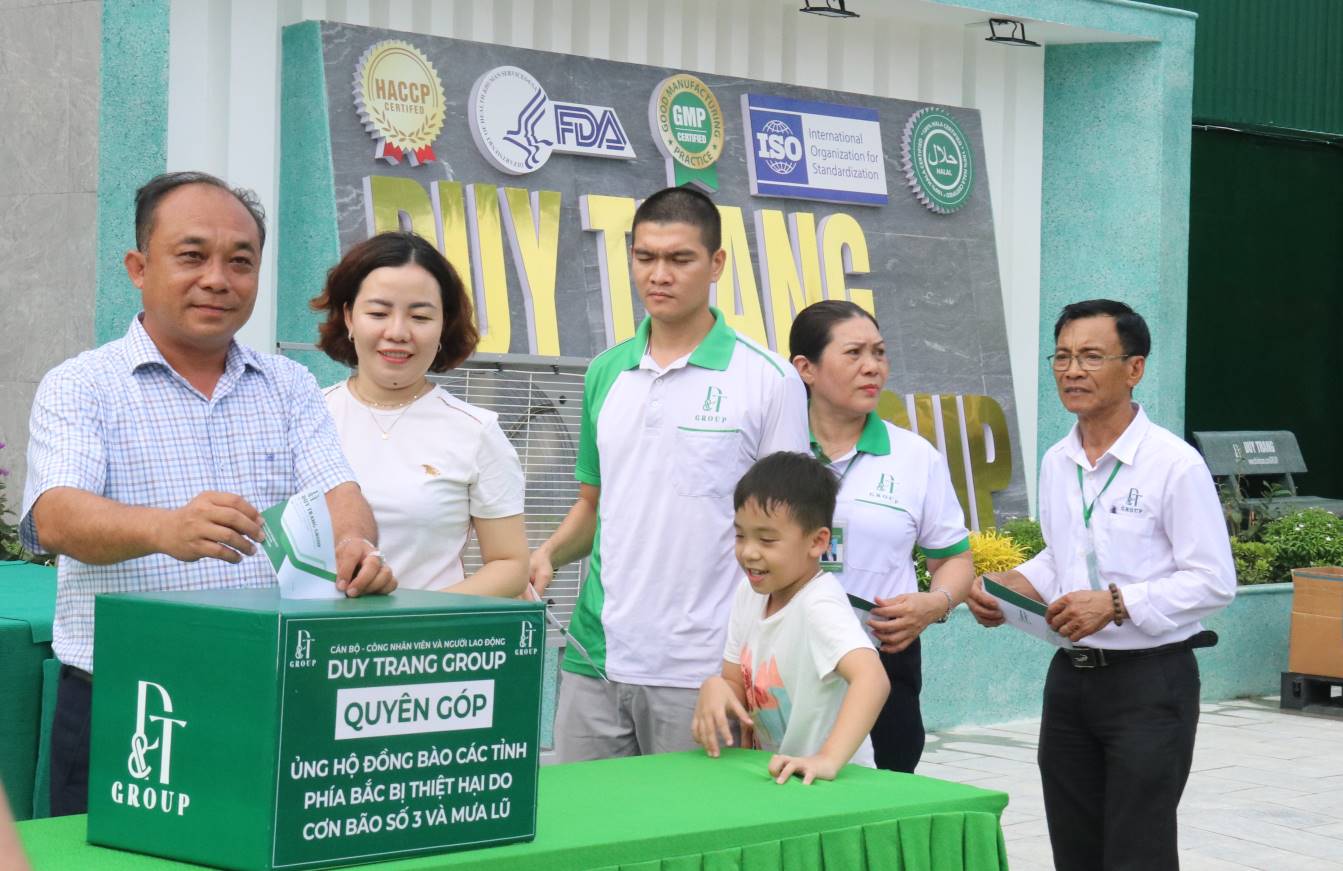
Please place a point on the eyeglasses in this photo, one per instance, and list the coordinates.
(1090, 361)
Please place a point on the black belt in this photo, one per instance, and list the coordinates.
(1095, 657)
(76, 673)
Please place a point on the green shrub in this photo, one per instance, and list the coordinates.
(11, 547)
(1305, 538)
(1025, 531)
(1256, 562)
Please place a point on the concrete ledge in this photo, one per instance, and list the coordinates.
(976, 676)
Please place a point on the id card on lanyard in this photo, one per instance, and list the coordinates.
(833, 558)
(1093, 563)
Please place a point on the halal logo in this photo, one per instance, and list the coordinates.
(399, 98)
(713, 400)
(687, 127)
(138, 762)
(939, 165)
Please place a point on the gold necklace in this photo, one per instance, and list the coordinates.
(389, 406)
(404, 406)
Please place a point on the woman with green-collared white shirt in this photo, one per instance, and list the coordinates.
(895, 494)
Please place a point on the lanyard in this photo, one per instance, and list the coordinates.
(857, 455)
(1093, 562)
(1088, 508)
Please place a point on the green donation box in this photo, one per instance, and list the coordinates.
(238, 729)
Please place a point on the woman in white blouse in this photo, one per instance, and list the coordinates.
(433, 467)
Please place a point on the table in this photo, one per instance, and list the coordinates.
(686, 812)
(27, 604)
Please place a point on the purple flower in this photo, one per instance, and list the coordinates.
(4, 473)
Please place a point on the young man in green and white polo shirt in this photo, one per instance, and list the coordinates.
(671, 419)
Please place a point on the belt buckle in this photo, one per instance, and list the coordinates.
(1086, 657)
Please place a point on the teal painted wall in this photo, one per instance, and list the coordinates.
(975, 675)
(132, 145)
(1115, 198)
(309, 242)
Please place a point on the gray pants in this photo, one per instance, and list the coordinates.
(598, 720)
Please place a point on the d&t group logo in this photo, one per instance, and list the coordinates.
(526, 639)
(148, 757)
(302, 650)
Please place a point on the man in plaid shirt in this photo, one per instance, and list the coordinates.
(150, 457)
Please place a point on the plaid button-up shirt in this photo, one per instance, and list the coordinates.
(118, 421)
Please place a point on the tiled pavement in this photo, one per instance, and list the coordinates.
(1266, 791)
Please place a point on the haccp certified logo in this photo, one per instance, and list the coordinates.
(939, 165)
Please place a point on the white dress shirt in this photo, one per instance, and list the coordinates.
(1158, 529)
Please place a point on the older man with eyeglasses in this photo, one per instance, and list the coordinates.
(1136, 556)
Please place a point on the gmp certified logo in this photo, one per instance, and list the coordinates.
(517, 126)
(938, 163)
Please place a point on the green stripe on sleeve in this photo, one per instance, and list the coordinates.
(601, 375)
(942, 552)
(586, 623)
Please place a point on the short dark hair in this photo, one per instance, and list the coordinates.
(459, 336)
(810, 333)
(798, 482)
(148, 197)
(683, 205)
(1134, 336)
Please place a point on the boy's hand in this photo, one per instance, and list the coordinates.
(716, 701)
(809, 768)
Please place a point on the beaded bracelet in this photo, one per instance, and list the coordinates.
(950, 606)
(1118, 605)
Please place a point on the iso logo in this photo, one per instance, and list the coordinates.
(778, 147)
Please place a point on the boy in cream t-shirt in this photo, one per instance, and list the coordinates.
(799, 672)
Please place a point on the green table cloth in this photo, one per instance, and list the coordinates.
(686, 812)
(27, 604)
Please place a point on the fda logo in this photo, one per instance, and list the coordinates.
(138, 763)
(780, 150)
(517, 126)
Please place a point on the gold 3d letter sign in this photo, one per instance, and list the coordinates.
(823, 196)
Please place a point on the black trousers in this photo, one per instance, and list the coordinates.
(897, 736)
(1116, 744)
(70, 744)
